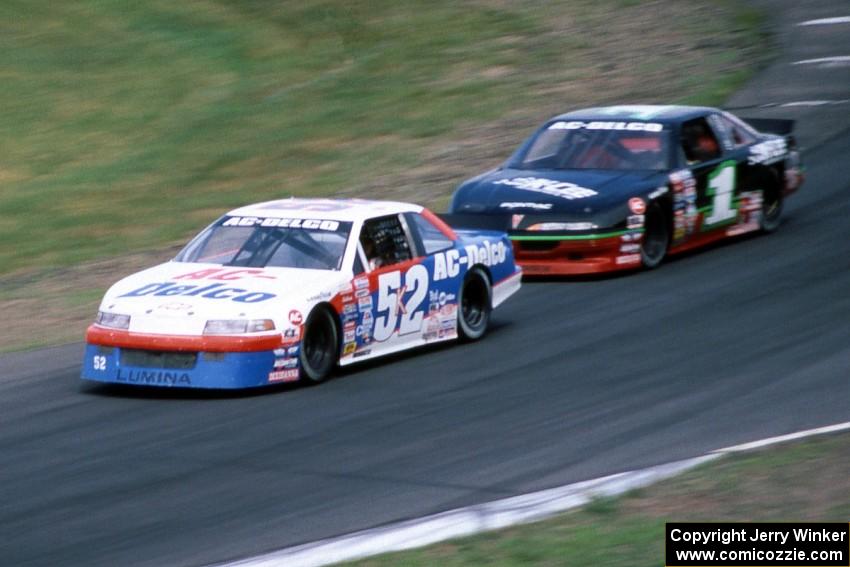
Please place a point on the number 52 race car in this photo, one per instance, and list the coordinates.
(285, 290)
(619, 187)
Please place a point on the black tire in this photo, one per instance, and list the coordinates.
(771, 205)
(319, 346)
(656, 237)
(475, 302)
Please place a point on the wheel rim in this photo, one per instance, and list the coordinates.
(655, 237)
(474, 304)
(772, 206)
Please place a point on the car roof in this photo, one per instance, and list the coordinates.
(350, 210)
(638, 113)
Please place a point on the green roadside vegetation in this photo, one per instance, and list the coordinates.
(803, 481)
(125, 128)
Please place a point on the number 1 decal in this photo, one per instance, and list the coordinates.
(391, 302)
(721, 187)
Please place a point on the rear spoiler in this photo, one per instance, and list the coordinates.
(779, 126)
(477, 221)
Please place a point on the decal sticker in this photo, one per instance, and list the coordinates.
(153, 377)
(637, 205)
(487, 254)
(393, 312)
(607, 125)
(543, 226)
(319, 297)
(515, 205)
(721, 188)
(516, 219)
(684, 203)
(295, 317)
(307, 224)
(630, 259)
(174, 307)
(349, 348)
(562, 189)
(447, 264)
(639, 111)
(634, 221)
(285, 363)
(212, 291)
(629, 248)
(99, 363)
(768, 152)
(225, 274)
(441, 297)
(289, 375)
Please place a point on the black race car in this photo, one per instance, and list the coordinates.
(620, 187)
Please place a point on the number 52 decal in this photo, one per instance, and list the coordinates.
(391, 304)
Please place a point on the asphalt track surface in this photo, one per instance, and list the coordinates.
(578, 379)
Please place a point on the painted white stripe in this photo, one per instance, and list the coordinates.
(838, 59)
(811, 103)
(493, 515)
(783, 438)
(825, 102)
(826, 21)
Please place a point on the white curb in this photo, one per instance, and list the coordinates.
(492, 515)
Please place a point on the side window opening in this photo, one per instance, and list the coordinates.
(699, 142)
(385, 242)
(740, 134)
(431, 238)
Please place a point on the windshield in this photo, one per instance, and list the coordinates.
(599, 145)
(272, 242)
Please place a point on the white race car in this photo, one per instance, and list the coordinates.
(285, 290)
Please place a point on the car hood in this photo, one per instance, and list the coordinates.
(577, 193)
(178, 297)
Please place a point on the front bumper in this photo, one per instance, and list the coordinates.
(120, 357)
(564, 255)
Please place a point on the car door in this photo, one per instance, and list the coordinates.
(715, 164)
(390, 292)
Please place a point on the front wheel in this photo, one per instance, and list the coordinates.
(656, 237)
(474, 305)
(319, 346)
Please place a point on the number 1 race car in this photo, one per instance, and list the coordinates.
(620, 187)
(286, 290)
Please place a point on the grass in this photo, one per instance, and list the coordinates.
(804, 481)
(128, 127)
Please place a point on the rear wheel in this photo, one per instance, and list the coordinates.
(771, 207)
(474, 305)
(656, 237)
(319, 346)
